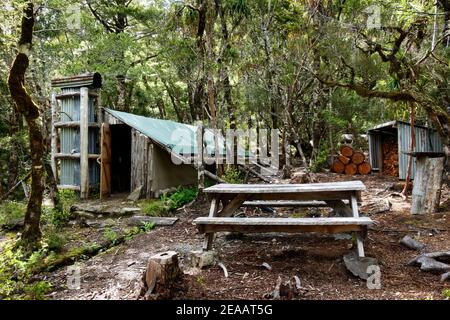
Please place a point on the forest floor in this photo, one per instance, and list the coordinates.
(316, 259)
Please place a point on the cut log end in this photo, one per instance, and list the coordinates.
(338, 167)
(364, 168)
(346, 151)
(358, 158)
(351, 169)
(344, 159)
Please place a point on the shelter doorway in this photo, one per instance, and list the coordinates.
(120, 158)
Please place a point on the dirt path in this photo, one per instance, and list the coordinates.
(315, 259)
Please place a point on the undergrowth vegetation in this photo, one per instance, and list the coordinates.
(168, 203)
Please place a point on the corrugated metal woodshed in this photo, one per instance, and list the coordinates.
(426, 140)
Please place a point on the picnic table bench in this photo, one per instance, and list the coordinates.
(341, 196)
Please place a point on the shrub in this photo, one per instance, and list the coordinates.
(11, 212)
(16, 272)
(446, 293)
(321, 160)
(155, 208)
(38, 289)
(67, 199)
(55, 241)
(110, 235)
(233, 176)
(162, 206)
(181, 197)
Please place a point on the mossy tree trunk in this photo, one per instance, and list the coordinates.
(28, 108)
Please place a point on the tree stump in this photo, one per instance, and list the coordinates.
(426, 192)
(161, 275)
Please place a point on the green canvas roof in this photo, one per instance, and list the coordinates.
(179, 137)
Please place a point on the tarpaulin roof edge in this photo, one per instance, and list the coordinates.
(179, 137)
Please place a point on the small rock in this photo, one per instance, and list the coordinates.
(412, 244)
(192, 271)
(131, 210)
(266, 265)
(445, 276)
(429, 264)
(298, 284)
(83, 215)
(358, 266)
(159, 221)
(92, 224)
(201, 259)
(135, 195)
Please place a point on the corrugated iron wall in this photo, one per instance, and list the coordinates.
(375, 151)
(426, 140)
(70, 140)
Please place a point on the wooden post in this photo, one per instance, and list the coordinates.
(84, 141)
(200, 160)
(426, 191)
(54, 135)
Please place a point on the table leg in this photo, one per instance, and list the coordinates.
(359, 235)
(209, 237)
(233, 205)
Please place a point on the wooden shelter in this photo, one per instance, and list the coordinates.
(96, 148)
(389, 144)
(75, 132)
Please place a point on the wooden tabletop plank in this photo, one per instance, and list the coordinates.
(287, 188)
(286, 203)
(284, 221)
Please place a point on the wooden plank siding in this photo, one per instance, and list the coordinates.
(141, 163)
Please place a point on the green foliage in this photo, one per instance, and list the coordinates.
(180, 197)
(110, 235)
(38, 289)
(168, 203)
(446, 293)
(155, 207)
(321, 160)
(131, 232)
(11, 212)
(16, 271)
(201, 280)
(233, 176)
(148, 226)
(67, 199)
(54, 240)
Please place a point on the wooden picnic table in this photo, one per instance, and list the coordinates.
(341, 196)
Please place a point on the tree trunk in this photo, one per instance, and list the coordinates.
(27, 107)
(224, 73)
(53, 187)
(121, 94)
(411, 149)
(13, 165)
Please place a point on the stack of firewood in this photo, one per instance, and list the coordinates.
(351, 162)
(390, 157)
